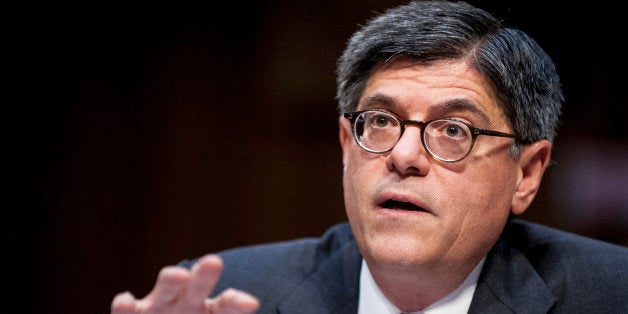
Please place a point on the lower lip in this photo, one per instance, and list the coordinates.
(397, 212)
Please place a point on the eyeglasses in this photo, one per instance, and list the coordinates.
(446, 139)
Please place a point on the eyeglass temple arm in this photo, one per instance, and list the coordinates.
(478, 131)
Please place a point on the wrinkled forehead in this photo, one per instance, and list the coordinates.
(431, 90)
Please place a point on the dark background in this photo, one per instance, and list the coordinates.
(140, 136)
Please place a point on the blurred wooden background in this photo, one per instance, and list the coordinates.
(145, 135)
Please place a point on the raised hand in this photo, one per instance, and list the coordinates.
(179, 290)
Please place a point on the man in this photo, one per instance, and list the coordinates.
(446, 127)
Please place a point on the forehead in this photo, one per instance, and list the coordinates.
(409, 87)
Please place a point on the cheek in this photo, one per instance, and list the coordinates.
(476, 189)
(353, 194)
(359, 177)
(488, 195)
(477, 209)
(355, 177)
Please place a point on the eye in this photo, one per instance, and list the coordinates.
(450, 129)
(453, 130)
(381, 120)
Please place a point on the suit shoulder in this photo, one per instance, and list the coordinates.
(279, 266)
(537, 239)
(568, 272)
(573, 265)
(332, 240)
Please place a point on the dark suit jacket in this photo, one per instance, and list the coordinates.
(531, 269)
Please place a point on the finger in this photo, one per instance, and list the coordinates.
(232, 301)
(122, 303)
(204, 277)
(171, 282)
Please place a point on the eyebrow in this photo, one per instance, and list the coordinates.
(458, 105)
(440, 109)
(377, 100)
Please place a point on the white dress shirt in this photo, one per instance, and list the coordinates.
(373, 301)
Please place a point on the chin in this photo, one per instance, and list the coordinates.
(399, 252)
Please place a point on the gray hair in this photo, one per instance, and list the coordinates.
(522, 75)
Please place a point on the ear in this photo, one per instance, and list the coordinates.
(531, 165)
(345, 138)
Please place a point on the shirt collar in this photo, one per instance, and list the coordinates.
(373, 301)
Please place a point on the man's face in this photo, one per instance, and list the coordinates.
(408, 209)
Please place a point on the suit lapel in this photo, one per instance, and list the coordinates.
(509, 283)
(331, 288)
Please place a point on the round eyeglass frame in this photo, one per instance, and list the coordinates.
(475, 132)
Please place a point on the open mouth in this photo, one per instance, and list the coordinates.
(399, 205)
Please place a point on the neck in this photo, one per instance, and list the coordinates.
(420, 287)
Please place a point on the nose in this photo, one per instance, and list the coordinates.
(408, 157)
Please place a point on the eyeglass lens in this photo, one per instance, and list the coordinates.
(446, 139)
